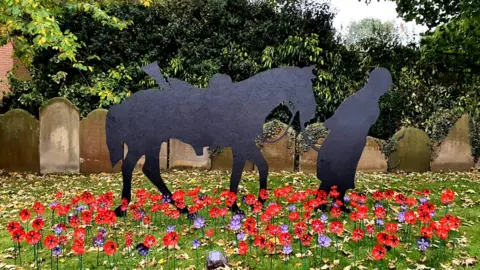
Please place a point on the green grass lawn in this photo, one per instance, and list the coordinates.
(21, 191)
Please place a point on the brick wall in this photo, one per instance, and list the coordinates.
(6, 64)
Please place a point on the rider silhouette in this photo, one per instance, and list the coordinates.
(340, 152)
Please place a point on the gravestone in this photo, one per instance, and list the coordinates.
(183, 155)
(223, 161)
(59, 137)
(19, 138)
(94, 156)
(455, 152)
(279, 155)
(411, 151)
(372, 159)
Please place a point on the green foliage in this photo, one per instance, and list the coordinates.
(369, 28)
(311, 135)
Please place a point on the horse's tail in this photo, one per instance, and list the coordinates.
(154, 71)
(113, 132)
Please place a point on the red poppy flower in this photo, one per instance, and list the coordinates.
(411, 201)
(426, 232)
(110, 247)
(391, 227)
(335, 212)
(263, 194)
(124, 205)
(410, 217)
(334, 193)
(336, 227)
(79, 234)
(33, 237)
(285, 239)
(382, 238)
(362, 212)
(442, 232)
(370, 229)
(272, 229)
(50, 241)
(78, 247)
(378, 252)
(147, 220)
(380, 212)
(74, 222)
(293, 216)
(270, 245)
(193, 192)
(318, 226)
(243, 248)
(447, 197)
(357, 235)
(300, 228)
(149, 241)
(250, 199)
(393, 241)
(12, 226)
(306, 240)
(38, 223)
(259, 241)
(38, 208)
(378, 195)
(58, 195)
(24, 214)
(170, 239)
(209, 232)
(18, 235)
(424, 216)
(86, 217)
(62, 240)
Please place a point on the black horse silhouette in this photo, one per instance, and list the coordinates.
(224, 115)
(340, 152)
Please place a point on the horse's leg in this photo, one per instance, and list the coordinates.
(151, 169)
(236, 176)
(262, 165)
(127, 168)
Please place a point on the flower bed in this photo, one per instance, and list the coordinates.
(285, 232)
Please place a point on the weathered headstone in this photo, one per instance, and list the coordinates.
(183, 155)
(59, 137)
(19, 142)
(94, 156)
(279, 155)
(455, 152)
(224, 160)
(411, 151)
(216, 259)
(373, 159)
(308, 159)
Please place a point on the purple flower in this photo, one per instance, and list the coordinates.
(170, 228)
(192, 216)
(58, 229)
(403, 207)
(196, 243)
(432, 213)
(378, 204)
(423, 200)
(53, 204)
(287, 250)
(284, 228)
(292, 208)
(167, 198)
(423, 244)
(57, 251)
(81, 208)
(379, 222)
(401, 217)
(235, 225)
(240, 236)
(334, 204)
(142, 249)
(237, 217)
(98, 241)
(199, 223)
(324, 241)
(102, 231)
(324, 218)
(346, 198)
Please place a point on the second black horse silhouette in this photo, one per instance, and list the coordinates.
(224, 115)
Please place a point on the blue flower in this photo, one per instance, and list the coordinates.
(196, 243)
(346, 198)
(57, 251)
(423, 244)
(199, 222)
(170, 228)
(98, 241)
(240, 236)
(235, 225)
(142, 249)
(379, 222)
(401, 217)
(324, 218)
(292, 208)
(287, 250)
(58, 229)
(324, 241)
(284, 228)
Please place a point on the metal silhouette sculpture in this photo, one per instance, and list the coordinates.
(226, 114)
(340, 152)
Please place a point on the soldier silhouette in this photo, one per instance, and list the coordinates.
(340, 152)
